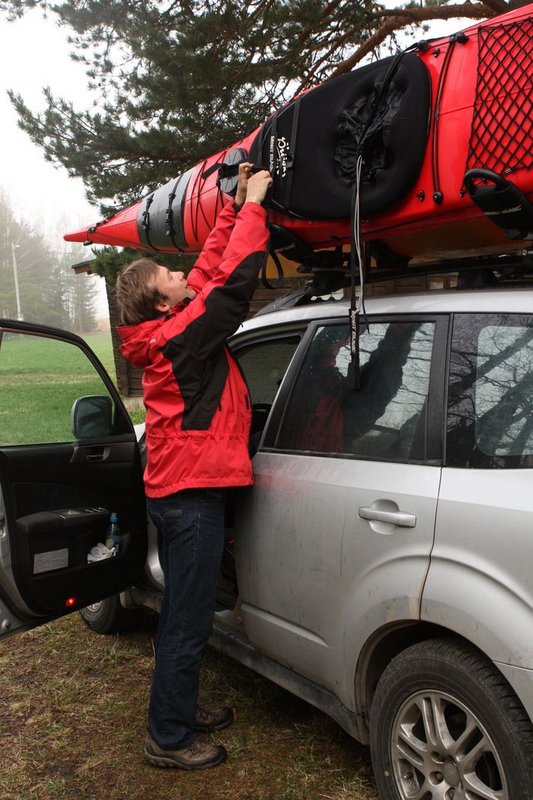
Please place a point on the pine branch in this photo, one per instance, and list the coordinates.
(414, 16)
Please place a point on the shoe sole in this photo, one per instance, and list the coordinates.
(165, 762)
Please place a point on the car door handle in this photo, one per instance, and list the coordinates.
(97, 453)
(88, 455)
(399, 518)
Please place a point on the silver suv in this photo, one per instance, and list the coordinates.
(380, 568)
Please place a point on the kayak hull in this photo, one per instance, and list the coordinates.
(461, 103)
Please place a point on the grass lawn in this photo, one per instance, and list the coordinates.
(73, 716)
(101, 345)
(40, 379)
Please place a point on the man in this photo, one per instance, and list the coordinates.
(197, 427)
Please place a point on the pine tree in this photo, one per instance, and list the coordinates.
(82, 297)
(57, 295)
(25, 264)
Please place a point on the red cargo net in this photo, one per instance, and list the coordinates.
(502, 125)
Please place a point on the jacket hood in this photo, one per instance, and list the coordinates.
(138, 341)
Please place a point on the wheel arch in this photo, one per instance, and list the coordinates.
(377, 652)
(488, 605)
(383, 646)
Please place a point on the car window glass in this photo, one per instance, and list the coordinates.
(40, 380)
(385, 418)
(490, 419)
(264, 364)
(504, 391)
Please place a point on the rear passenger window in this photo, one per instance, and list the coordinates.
(386, 418)
(264, 364)
(490, 419)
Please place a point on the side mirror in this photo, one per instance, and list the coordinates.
(92, 417)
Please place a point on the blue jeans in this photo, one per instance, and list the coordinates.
(191, 526)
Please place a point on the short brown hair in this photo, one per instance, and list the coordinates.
(137, 296)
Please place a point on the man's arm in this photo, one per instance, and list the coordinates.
(218, 310)
(212, 253)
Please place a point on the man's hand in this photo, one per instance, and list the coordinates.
(245, 170)
(257, 186)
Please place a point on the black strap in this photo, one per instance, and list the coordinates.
(292, 151)
(283, 204)
(224, 170)
(280, 281)
(146, 220)
(170, 217)
(354, 369)
(273, 160)
(228, 170)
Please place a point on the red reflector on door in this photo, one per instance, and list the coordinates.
(71, 601)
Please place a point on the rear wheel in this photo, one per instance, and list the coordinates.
(446, 725)
(107, 616)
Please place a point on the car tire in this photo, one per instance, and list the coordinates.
(445, 723)
(107, 616)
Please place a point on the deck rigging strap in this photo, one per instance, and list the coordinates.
(437, 195)
(458, 38)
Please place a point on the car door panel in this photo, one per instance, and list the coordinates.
(84, 493)
(263, 360)
(320, 579)
(57, 496)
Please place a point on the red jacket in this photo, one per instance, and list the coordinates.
(197, 404)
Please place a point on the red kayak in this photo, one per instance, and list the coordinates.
(442, 134)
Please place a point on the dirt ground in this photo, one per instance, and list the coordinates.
(72, 722)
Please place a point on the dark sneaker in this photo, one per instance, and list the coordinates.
(213, 719)
(200, 754)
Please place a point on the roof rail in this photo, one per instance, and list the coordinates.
(473, 272)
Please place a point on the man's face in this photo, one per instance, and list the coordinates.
(173, 285)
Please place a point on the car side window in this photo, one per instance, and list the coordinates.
(490, 398)
(386, 418)
(264, 364)
(42, 381)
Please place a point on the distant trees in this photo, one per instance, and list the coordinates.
(36, 283)
(81, 302)
(173, 81)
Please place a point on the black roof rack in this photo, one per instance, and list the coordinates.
(473, 272)
(506, 265)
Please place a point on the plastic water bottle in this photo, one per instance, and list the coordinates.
(112, 539)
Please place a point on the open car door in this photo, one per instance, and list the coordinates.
(68, 458)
